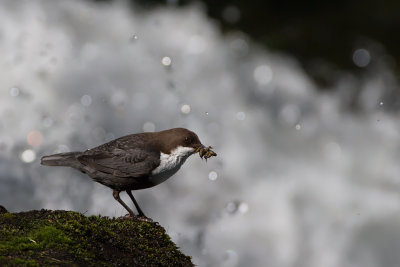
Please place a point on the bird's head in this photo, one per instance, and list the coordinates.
(181, 137)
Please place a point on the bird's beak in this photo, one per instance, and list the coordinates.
(199, 148)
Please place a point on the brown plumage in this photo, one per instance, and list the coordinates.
(135, 161)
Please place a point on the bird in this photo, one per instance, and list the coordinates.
(135, 161)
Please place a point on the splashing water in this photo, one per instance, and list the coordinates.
(315, 193)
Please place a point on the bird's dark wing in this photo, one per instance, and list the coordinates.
(124, 143)
(121, 163)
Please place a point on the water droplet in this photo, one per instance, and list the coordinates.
(206, 113)
(28, 156)
(148, 126)
(212, 176)
(34, 138)
(185, 109)
(231, 207)
(298, 126)
(14, 92)
(240, 115)
(166, 61)
(133, 38)
(86, 100)
(381, 103)
(361, 57)
(234, 207)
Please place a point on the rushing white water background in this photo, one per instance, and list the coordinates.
(299, 179)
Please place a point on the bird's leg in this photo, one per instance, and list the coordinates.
(136, 204)
(117, 198)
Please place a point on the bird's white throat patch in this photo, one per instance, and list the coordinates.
(170, 163)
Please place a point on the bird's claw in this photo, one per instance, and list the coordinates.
(136, 217)
(144, 219)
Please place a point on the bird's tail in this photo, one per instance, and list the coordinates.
(61, 159)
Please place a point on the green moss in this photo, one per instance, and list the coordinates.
(49, 237)
(64, 238)
(7, 215)
(2, 210)
(17, 262)
(16, 244)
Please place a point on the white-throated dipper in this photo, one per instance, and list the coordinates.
(135, 161)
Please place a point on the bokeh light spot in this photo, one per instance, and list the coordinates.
(212, 176)
(86, 100)
(361, 57)
(28, 156)
(166, 61)
(34, 138)
(133, 38)
(231, 207)
(243, 208)
(185, 109)
(14, 92)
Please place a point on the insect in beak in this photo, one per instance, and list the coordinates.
(205, 152)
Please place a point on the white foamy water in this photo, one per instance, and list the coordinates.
(298, 181)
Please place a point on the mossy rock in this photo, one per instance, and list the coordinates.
(2, 210)
(66, 238)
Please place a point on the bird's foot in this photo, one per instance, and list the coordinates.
(144, 218)
(128, 217)
(141, 218)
